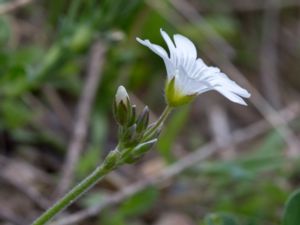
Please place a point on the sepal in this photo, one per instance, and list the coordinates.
(112, 160)
(174, 97)
(128, 135)
(137, 152)
(154, 134)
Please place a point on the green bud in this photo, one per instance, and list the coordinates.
(129, 136)
(144, 147)
(132, 115)
(139, 151)
(143, 120)
(174, 97)
(112, 160)
(122, 109)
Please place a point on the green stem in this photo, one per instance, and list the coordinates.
(93, 178)
(159, 122)
(71, 196)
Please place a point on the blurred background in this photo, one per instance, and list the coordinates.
(60, 65)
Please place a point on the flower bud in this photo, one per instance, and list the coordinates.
(139, 151)
(143, 120)
(132, 116)
(128, 135)
(122, 108)
(121, 95)
(143, 147)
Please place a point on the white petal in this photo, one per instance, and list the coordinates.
(230, 95)
(192, 75)
(169, 42)
(155, 48)
(196, 69)
(121, 95)
(188, 85)
(185, 47)
(162, 53)
(170, 68)
(221, 79)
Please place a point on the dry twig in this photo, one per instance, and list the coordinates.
(21, 176)
(58, 107)
(8, 217)
(269, 54)
(220, 129)
(84, 108)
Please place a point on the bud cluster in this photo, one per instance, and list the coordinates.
(134, 136)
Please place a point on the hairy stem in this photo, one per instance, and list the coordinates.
(72, 195)
(108, 165)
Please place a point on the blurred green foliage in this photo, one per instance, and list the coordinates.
(291, 214)
(47, 43)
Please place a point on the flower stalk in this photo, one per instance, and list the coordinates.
(157, 125)
(136, 138)
(187, 77)
(109, 164)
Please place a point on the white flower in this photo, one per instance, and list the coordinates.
(189, 76)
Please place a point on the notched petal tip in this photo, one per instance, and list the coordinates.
(143, 42)
(242, 103)
(247, 95)
(185, 46)
(162, 32)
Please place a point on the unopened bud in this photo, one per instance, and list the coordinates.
(144, 147)
(139, 151)
(143, 120)
(121, 95)
(129, 136)
(122, 108)
(132, 115)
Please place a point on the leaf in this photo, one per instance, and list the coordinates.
(291, 215)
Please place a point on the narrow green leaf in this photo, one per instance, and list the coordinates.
(291, 215)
